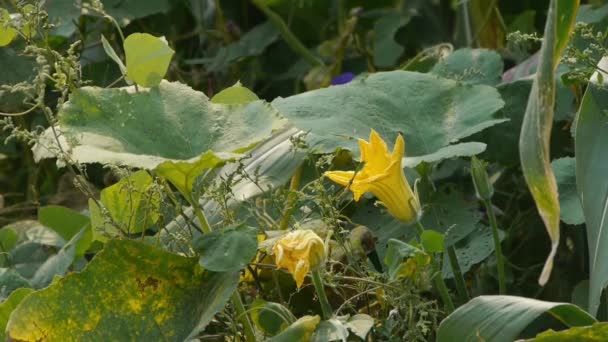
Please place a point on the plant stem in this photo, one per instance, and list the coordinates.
(243, 317)
(294, 43)
(458, 278)
(439, 282)
(318, 283)
(502, 287)
(294, 185)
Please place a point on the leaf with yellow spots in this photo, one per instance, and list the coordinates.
(129, 291)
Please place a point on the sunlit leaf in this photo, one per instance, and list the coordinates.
(7, 31)
(148, 58)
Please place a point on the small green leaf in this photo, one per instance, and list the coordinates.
(237, 94)
(386, 50)
(7, 32)
(148, 58)
(404, 260)
(432, 241)
(183, 174)
(10, 281)
(271, 318)
(8, 239)
(228, 249)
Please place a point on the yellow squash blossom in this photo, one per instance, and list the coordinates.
(299, 251)
(382, 175)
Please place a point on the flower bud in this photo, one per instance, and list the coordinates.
(483, 187)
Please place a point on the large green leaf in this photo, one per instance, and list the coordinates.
(125, 11)
(504, 318)
(430, 111)
(67, 223)
(168, 122)
(591, 144)
(534, 141)
(129, 291)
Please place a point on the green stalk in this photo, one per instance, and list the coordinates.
(294, 43)
(439, 282)
(458, 278)
(318, 283)
(294, 185)
(202, 219)
(242, 316)
(502, 287)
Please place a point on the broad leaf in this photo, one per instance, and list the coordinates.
(431, 112)
(503, 318)
(227, 249)
(129, 291)
(466, 149)
(148, 58)
(591, 144)
(168, 122)
(535, 136)
(126, 11)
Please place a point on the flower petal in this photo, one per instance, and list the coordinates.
(399, 149)
(343, 178)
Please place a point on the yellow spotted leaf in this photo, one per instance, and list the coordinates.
(129, 292)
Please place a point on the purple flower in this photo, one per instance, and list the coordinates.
(343, 78)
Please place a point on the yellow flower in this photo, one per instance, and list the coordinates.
(299, 251)
(383, 176)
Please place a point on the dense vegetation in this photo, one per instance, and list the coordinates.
(303, 170)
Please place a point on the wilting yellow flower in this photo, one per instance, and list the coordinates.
(383, 176)
(299, 251)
